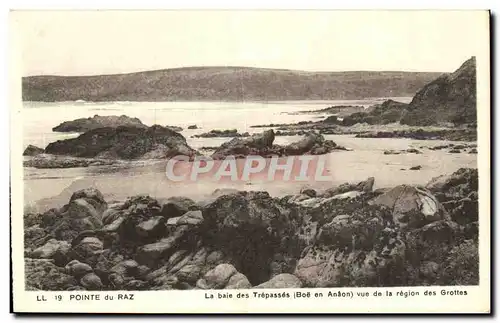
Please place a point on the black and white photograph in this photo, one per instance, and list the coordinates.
(251, 156)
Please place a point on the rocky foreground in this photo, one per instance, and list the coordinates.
(349, 235)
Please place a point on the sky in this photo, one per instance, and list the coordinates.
(109, 42)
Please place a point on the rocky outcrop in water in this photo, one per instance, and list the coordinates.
(423, 134)
(55, 161)
(352, 236)
(154, 142)
(262, 145)
(451, 98)
(32, 151)
(229, 133)
(86, 124)
(389, 111)
(338, 110)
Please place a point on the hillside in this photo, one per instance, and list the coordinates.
(449, 98)
(224, 83)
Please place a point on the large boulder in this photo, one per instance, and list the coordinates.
(48, 250)
(459, 194)
(176, 206)
(82, 213)
(123, 142)
(91, 282)
(456, 185)
(137, 221)
(412, 207)
(219, 277)
(86, 124)
(282, 281)
(77, 269)
(258, 144)
(150, 254)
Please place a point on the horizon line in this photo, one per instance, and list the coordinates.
(233, 67)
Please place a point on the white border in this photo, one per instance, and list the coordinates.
(312, 4)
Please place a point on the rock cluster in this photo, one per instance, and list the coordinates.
(350, 235)
(229, 133)
(261, 144)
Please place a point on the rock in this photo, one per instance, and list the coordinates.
(192, 218)
(347, 195)
(86, 124)
(106, 260)
(457, 185)
(218, 277)
(193, 127)
(91, 282)
(282, 281)
(429, 270)
(137, 221)
(88, 250)
(387, 112)
(34, 236)
(81, 209)
(50, 248)
(43, 274)
(32, 151)
(407, 151)
(77, 269)
(424, 134)
(473, 151)
(461, 266)
(449, 98)
(364, 186)
(418, 167)
(115, 225)
(433, 241)
(123, 142)
(149, 254)
(126, 268)
(43, 161)
(189, 273)
(135, 284)
(110, 215)
(174, 128)
(454, 151)
(222, 133)
(238, 281)
(413, 151)
(356, 249)
(308, 192)
(152, 228)
(93, 196)
(411, 206)
(176, 206)
(463, 211)
(257, 144)
(116, 281)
